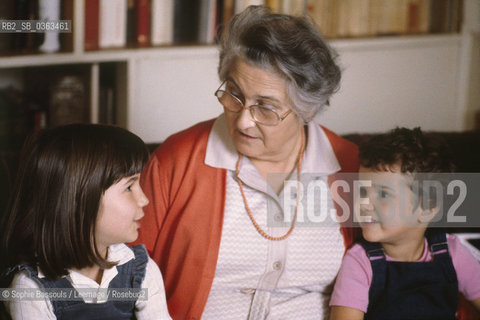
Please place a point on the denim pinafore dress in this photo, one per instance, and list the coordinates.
(413, 290)
(130, 275)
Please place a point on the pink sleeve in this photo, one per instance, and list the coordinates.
(467, 268)
(353, 280)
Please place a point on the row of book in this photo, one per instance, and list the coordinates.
(140, 23)
(368, 18)
(143, 23)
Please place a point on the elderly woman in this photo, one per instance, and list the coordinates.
(212, 189)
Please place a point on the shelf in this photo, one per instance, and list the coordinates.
(124, 54)
(102, 56)
(397, 42)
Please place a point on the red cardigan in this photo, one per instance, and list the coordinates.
(183, 221)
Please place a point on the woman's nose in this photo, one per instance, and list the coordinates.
(245, 119)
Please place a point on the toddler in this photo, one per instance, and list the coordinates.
(401, 270)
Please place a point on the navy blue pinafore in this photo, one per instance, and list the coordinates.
(130, 275)
(413, 290)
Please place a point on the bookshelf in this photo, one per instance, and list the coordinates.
(158, 90)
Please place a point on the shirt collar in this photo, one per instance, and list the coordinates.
(221, 152)
(318, 158)
(119, 253)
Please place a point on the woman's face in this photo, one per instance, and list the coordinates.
(255, 85)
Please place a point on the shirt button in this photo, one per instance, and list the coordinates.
(277, 265)
(278, 217)
(247, 291)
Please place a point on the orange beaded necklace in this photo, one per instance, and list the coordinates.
(255, 224)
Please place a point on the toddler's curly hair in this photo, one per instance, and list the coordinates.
(411, 149)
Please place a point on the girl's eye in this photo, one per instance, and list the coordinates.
(384, 194)
(363, 192)
(129, 188)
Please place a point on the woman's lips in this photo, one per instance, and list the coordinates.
(246, 136)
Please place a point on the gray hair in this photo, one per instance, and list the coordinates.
(288, 45)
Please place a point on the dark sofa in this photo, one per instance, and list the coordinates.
(464, 147)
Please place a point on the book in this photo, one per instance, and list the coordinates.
(107, 93)
(324, 13)
(131, 23)
(107, 105)
(342, 18)
(92, 8)
(294, 7)
(26, 42)
(456, 14)
(6, 13)
(143, 23)
(112, 23)
(418, 16)
(275, 5)
(186, 21)
(66, 38)
(207, 21)
(162, 12)
(439, 16)
(388, 17)
(228, 11)
(241, 5)
(359, 17)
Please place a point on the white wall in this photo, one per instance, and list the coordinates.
(411, 81)
(396, 82)
(174, 90)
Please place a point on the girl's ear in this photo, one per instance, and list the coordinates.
(426, 215)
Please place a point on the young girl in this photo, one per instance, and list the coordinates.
(76, 201)
(401, 271)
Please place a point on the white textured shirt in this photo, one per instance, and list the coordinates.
(154, 307)
(256, 278)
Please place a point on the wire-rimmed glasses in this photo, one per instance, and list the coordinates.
(261, 113)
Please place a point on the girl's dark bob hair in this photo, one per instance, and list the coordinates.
(63, 173)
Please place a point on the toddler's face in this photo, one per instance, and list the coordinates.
(389, 210)
(120, 212)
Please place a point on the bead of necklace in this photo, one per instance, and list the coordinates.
(255, 224)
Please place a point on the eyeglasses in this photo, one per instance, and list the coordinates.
(261, 114)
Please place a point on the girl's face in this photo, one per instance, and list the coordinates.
(390, 206)
(119, 213)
